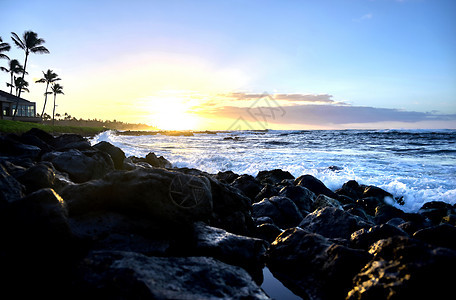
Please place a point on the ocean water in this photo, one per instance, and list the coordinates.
(418, 165)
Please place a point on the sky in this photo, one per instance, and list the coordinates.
(310, 64)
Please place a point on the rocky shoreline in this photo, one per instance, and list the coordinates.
(82, 221)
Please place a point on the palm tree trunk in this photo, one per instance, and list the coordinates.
(12, 81)
(53, 111)
(20, 90)
(45, 99)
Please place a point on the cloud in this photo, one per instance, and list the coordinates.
(309, 98)
(328, 114)
(364, 17)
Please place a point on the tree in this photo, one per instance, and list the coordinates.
(21, 85)
(30, 43)
(56, 89)
(4, 47)
(48, 77)
(14, 68)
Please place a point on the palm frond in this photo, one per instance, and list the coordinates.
(4, 56)
(39, 49)
(42, 80)
(17, 40)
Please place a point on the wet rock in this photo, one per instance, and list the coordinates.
(281, 210)
(325, 201)
(312, 266)
(267, 232)
(332, 222)
(37, 177)
(273, 177)
(268, 191)
(126, 275)
(10, 189)
(384, 213)
(442, 235)
(369, 204)
(81, 166)
(117, 155)
(435, 210)
(71, 141)
(226, 176)
(315, 185)
(158, 162)
(248, 185)
(167, 197)
(245, 252)
(351, 189)
(301, 196)
(363, 238)
(376, 192)
(405, 268)
(10, 145)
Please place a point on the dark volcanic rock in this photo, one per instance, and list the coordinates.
(405, 268)
(273, 176)
(10, 188)
(248, 185)
(11, 146)
(245, 252)
(81, 166)
(376, 192)
(164, 196)
(267, 232)
(435, 210)
(363, 238)
(158, 162)
(226, 176)
(301, 196)
(117, 155)
(268, 191)
(332, 222)
(281, 210)
(384, 213)
(37, 177)
(71, 141)
(312, 266)
(315, 185)
(443, 235)
(126, 275)
(325, 201)
(351, 189)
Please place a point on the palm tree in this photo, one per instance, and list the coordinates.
(49, 77)
(14, 68)
(30, 43)
(21, 85)
(3, 48)
(56, 89)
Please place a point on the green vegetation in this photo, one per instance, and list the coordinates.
(7, 126)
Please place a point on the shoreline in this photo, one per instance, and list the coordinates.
(93, 215)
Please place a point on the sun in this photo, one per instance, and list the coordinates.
(171, 112)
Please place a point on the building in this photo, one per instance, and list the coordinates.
(26, 111)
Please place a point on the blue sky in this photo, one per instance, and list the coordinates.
(386, 54)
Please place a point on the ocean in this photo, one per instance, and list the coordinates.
(418, 165)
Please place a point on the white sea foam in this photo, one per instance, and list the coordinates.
(416, 165)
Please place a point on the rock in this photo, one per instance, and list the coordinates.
(405, 268)
(435, 210)
(268, 191)
(10, 145)
(301, 196)
(226, 176)
(117, 155)
(38, 138)
(376, 192)
(126, 275)
(10, 189)
(369, 204)
(332, 222)
(325, 201)
(315, 185)
(81, 166)
(384, 213)
(168, 198)
(312, 266)
(443, 235)
(37, 177)
(281, 210)
(245, 252)
(158, 162)
(363, 238)
(273, 177)
(247, 185)
(351, 189)
(267, 232)
(71, 141)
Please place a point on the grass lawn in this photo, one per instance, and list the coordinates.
(7, 126)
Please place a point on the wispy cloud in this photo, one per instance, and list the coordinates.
(364, 17)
